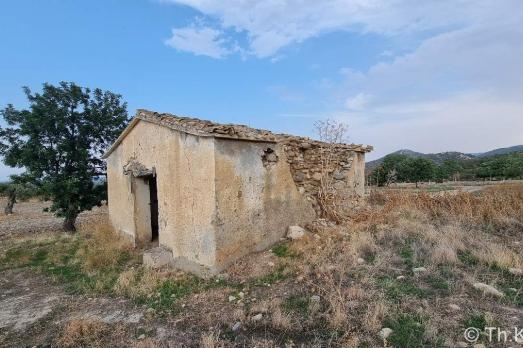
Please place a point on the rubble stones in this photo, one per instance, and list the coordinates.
(488, 289)
(385, 332)
(295, 232)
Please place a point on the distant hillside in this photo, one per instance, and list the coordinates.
(441, 157)
(501, 151)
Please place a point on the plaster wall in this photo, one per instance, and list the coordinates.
(184, 166)
(256, 198)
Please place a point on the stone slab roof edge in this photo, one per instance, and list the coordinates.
(204, 128)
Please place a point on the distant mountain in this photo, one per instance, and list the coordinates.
(501, 151)
(441, 157)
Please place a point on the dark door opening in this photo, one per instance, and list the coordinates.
(153, 191)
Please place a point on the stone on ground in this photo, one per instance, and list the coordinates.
(488, 289)
(157, 258)
(385, 332)
(515, 271)
(454, 307)
(236, 327)
(295, 232)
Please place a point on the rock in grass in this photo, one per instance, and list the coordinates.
(236, 327)
(488, 289)
(515, 271)
(232, 298)
(257, 317)
(360, 260)
(419, 270)
(295, 232)
(385, 332)
(315, 298)
(454, 307)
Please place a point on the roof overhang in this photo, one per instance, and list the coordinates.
(137, 119)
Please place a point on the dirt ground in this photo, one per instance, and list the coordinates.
(408, 265)
(36, 309)
(29, 218)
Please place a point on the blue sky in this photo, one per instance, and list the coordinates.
(431, 76)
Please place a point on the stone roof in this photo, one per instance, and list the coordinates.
(206, 128)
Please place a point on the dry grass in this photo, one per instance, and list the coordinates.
(499, 255)
(279, 319)
(397, 232)
(495, 205)
(211, 340)
(137, 282)
(146, 343)
(83, 333)
(361, 270)
(103, 247)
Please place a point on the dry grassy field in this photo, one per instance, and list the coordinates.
(413, 266)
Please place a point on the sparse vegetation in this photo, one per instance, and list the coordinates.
(398, 263)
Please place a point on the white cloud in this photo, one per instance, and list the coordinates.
(358, 102)
(273, 24)
(199, 41)
(458, 89)
(471, 122)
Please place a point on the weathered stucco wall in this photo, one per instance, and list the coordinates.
(256, 198)
(223, 190)
(184, 166)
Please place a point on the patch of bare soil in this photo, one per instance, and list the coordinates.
(407, 263)
(34, 310)
(29, 218)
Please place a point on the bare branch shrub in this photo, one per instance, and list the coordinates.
(332, 133)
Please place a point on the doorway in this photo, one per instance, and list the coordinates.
(153, 202)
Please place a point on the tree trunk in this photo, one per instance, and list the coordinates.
(11, 200)
(69, 224)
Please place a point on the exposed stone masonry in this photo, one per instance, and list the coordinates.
(310, 160)
(305, 156)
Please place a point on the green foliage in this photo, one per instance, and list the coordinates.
(405, 169)
(296, 304)
(3, 188)
(273, 277)
(57, 258)
(467, 258)
(397, 167)
(476, 320)
(19, 188)
(396, 289)
(388, 171)
(282, 250)
(417, 170)
(408, 331)
(170, 291)
(60, 139)
(449, 170)
(438, 283)
(509, 166)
